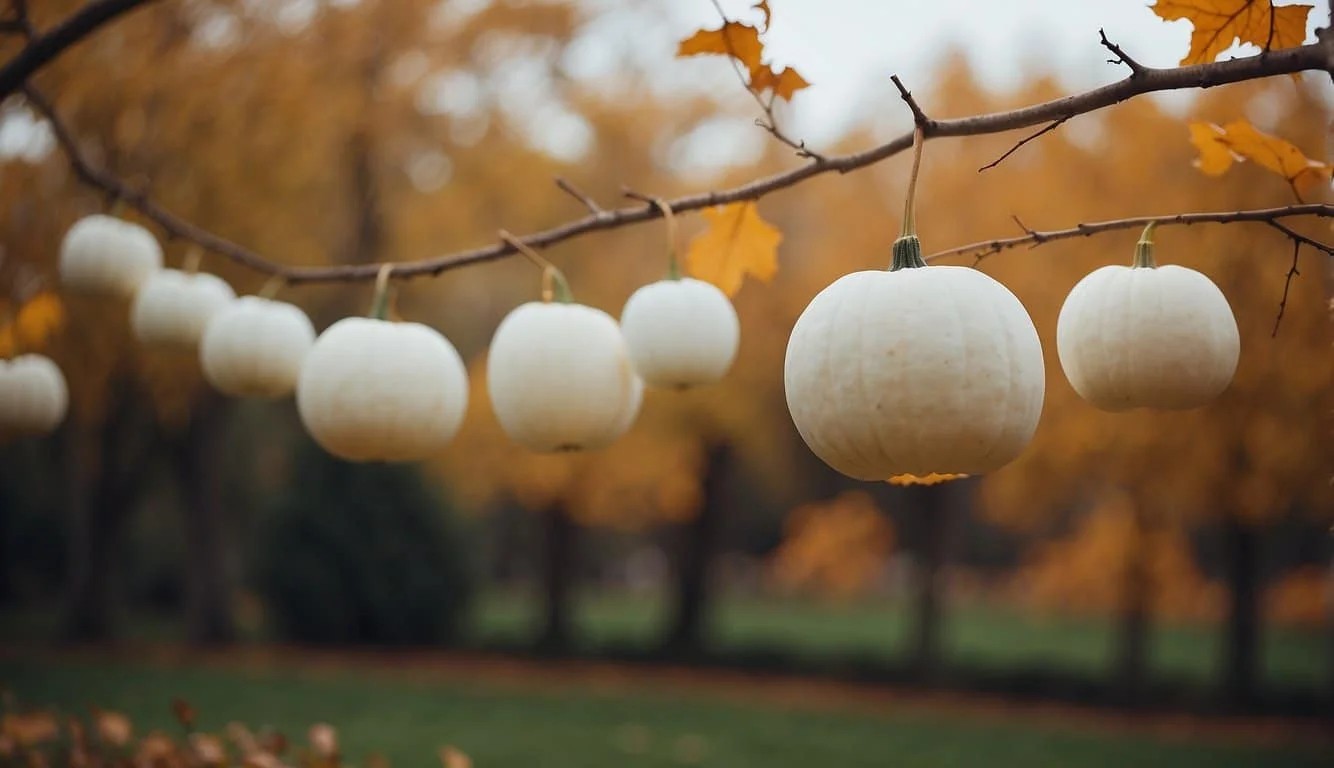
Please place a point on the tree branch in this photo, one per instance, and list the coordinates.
(588, 202)
(1316, 56)
(1122, 57)
(43, 48)
(1035, 237)
(1048, 128)
(1287, 284)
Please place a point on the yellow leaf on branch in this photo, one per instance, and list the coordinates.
(1221, 146)
(740, 41)
(737, 243)
(1220, 23)
(783, 83)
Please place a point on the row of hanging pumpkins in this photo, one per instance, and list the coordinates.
(912, 370)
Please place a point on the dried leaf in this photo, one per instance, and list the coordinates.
(931, 479)
(737, 243)
(40, 318)
(740, 41)
(184, 713)
(763, 7)
(1220, 23)
(113, 728)
(1221, 146)
(784, 83)
(453, 757)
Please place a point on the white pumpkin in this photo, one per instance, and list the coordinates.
(914, 371)
(107, 256)
(374, 390)
(1147, 337)
(173, 308)
(33, 395)
(254, 347)
(680, 333)
(560, 379)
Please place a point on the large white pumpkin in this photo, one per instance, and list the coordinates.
(560, 379)
(1147, 337)
(680, 333)
(107, 256)
(374, 390)
(915, 371)
(33, 395)
(254, 347)
(173, 308)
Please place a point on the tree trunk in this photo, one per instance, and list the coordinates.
(208, 614)
(1132, 644)
(698, 546)
(104, 473)
(930, 504)
(557, 578)
(1242, 642)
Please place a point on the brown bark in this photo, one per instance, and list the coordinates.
(698, 546)
(557, 578)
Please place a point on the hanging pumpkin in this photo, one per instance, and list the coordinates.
(173, 308)
(1146, 336)
(680, 332)
(33, 395)
(560, 379)
(915, 370)
(254, 347)
(375, 390)
(104, 255)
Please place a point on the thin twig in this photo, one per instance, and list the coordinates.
(1034, 237)
(588, 202)
(1287, 284)
(1298, 237)
(1281, 62)
(41, 49)
(1136, 69)
(768, 122)
(919, 117)
(1048, 128)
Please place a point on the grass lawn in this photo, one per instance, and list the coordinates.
(975, 634)
(512, 725)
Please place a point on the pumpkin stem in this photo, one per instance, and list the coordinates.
(553, 280)
(910, 205)
(190, 262)
(907, 254)
(380, 304)
(115, 205)
(272, 286)
(673, 265)
(1144, 248)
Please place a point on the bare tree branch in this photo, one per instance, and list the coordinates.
(1122, 57)
(1035, 237)
(1316, 56)
(45, 47)
(588, 202)
(1048, 128)
(1287, 285)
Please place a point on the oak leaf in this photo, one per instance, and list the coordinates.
(784, 83)
(932, 479)
(1219, 23)
(737, 243)
(740, 41)
(1221, 146)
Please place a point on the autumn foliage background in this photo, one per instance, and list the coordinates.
(312, 143)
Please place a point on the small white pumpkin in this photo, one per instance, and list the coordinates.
(1147, 336)
(914, 370)
(680, 332)
(560, 379)
(104, 255)
(374, 390)
(254, 347)
(33, 395)
(173, 308)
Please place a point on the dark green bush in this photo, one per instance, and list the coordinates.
(362, 554)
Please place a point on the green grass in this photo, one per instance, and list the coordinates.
(974, 634)
(499, 727)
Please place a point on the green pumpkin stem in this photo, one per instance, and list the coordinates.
(1144, 248)
(380, 304)
(907, 254)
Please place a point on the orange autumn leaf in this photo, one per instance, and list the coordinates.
(740, 41)
(40, 318)
(1221, 146)
(784, 83)
(1219, 23)
(737, 243)
(763, 7)
(931, 479)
